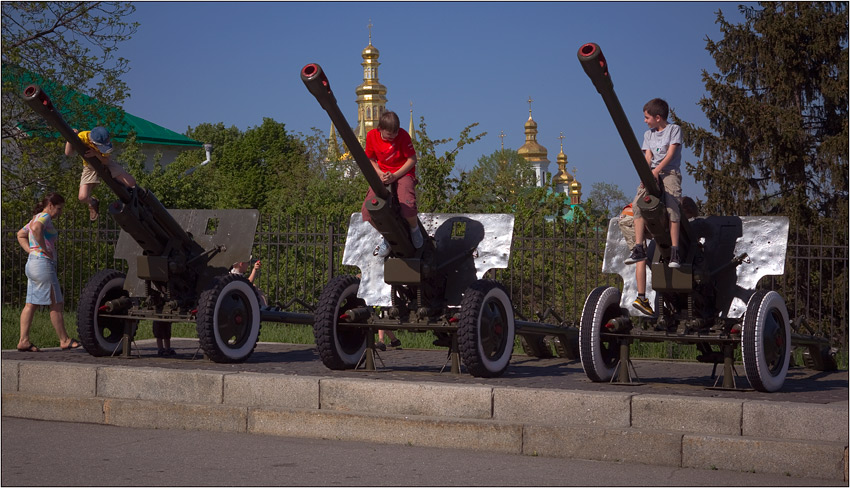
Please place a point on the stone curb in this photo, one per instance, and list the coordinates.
(694, 432)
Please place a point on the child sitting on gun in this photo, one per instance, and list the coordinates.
(662, 150)
(391, 153)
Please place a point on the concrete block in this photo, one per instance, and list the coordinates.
(687, 414)
(787, 420)
(58, 408)
(179, 416)
(601, 444)
(160, 384)
(9, 378)
(406, 398)
(557, 407)
(60, 379)
(275, 390)
(479, 435)
(809, 459)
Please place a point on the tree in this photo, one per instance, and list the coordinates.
(73, 45)
(437, 191)
(497, 180)
(607, 199)
(778, 113)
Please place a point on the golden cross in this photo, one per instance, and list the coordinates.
(502, 139)
(529, 106)
(562, 141)
(370, 31)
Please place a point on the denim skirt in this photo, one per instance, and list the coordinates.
(41, 277)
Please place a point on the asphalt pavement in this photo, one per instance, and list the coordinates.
(44, 453)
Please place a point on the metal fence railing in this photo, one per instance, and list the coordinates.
(554, 265)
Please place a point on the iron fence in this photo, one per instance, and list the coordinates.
(554, 265)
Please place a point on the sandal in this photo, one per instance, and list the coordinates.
(73, 345)
(32, 348)
(94, 209)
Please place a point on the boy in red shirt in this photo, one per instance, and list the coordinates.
(391, 153)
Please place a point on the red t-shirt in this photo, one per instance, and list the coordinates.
(390, 155)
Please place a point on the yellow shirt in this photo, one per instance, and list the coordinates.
(85, 136)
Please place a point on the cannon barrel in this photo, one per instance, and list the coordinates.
(594, 64)
(316, 81)
(383, 208)
(40, 103)
(139, 213)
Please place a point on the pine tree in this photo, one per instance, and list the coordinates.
(778, 114)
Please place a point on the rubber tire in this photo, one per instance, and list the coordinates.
(486, 329)
(567, 348)
(103, 286)
(766, 341)
(598, 359)
(820, 358)
(338, 350)
(231, 298)
(535, 346)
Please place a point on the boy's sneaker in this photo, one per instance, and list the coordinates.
(416, 237)
(638, 254)
(94, 209)
(395, 343)
(382, 250)
(381, 346)
(642, 304)
(674, 258)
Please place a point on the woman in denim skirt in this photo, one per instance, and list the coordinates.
(38, 239)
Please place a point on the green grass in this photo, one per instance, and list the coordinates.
(43, 335)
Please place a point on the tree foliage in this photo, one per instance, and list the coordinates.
(437, 189)
(778, 114)
(72, 44)
(607, 199)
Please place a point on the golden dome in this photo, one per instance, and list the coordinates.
(563, 177)
(575, 186)
(532, 150)
(370, 52)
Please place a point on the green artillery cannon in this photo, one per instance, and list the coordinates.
(439, 287)
(710, 301)
(178, 267)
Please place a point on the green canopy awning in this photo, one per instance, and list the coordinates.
(90, 112)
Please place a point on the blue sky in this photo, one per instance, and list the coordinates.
(458, 62)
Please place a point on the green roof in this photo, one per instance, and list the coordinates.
(95, 112)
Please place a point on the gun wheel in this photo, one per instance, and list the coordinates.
(599, 356)
(228, 319)
(101, 336)
(567, 347)
(339, 348)
(766, 341)
(535, 346)
(486, 329)
(820, 358)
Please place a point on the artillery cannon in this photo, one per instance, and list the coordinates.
(439, 287)
(177, 267)
(711, 300)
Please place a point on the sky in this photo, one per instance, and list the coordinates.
(457, 62)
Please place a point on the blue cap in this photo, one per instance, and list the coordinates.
(100, 137)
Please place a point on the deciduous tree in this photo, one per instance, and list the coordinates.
(74, 45)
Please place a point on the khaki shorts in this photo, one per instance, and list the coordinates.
(627, 228)
(90, 175)
(672, 195)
